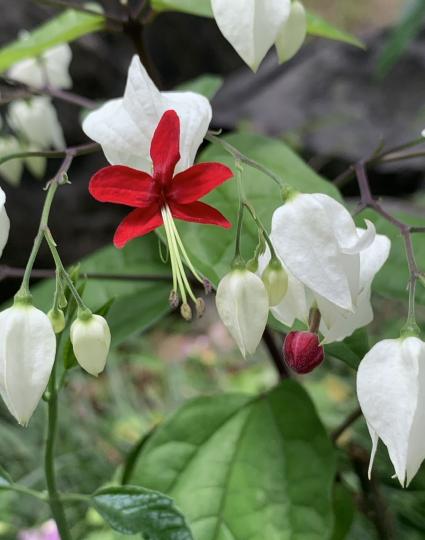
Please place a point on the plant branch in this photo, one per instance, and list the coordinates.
(74, 151)
(368, 201)
(276, 355)
(348, 422)
(27, 90)
(65, 4)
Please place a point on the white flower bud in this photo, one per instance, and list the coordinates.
(243, 305)
(57, 318)
(27, 355)
(391, 392)
(91, 339)
(275, 280)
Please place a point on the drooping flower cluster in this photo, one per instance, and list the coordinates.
(254, 26)
(34, 121)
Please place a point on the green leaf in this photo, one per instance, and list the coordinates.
(66, 27)
(344, 509)
(402, 35)
(137, 304)
(212, 248)
(316, 26)
(207, 85)
(5, 479)
(195, 7)
(242, 467)
(132, 510)
(352, 349)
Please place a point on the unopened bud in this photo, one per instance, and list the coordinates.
(275, 280)
(173, 299)
(200, 307)
(91, 339)
(186, 312)
(302, 351)
(57, 318)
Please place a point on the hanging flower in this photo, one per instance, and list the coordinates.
(292, 33)
(391, 392)
(253, 26)
(36, 123)
(243, 305)
(162, 196)
(317, 240)
(27, 354)
(91, 339)
(124, 127)
(4, 222)
(52, 68)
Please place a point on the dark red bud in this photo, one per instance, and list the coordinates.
(302, 351)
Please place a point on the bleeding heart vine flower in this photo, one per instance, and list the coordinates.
(160, 197)
(391, 392)
(27, 354)
(51, 68)
(124, 127)
(36, 122)
(243, 305)
(317, 240)
(253, 26)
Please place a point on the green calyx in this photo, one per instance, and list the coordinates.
(57, 318)
(410, 329)
(84, 315)
(238, 263)
(22, 298)
(275, 280)
(288, 193)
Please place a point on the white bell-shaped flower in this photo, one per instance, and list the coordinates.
(251, 26)
(391, 392)
(243, 305)
(27, 355)
(52, 68)
(292, 33)
(318, 242)
(91, 339)
(36, 121)
(336, 323)
(11, 170)
(124, 127)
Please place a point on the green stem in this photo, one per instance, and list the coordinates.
(238, 258)
(259, 224)
(60, 267)
(24, 291)
(55, 502)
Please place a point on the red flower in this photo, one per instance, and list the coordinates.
(149, 195)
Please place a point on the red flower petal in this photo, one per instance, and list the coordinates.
(194, 183)
(165, 147)
(123, 185)
(138, 223)
(199, 212)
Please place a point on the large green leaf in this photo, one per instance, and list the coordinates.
(242, 467)
(212, 248)
(66, 27)
(207, 85)
(352, 349)
(132, 510)
(344, 512)
(138, 304)
(316, 26)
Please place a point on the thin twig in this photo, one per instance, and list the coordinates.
(348, 422)
(276, 355)
(75, 151)
(66, 4)
(27, 90)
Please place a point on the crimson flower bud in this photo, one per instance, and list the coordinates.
(302, 351)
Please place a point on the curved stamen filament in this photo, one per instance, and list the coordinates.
(177, 252)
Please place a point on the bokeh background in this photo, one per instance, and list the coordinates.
(334, 105)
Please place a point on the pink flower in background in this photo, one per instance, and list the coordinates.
(48, 531)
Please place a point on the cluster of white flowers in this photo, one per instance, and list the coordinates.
(254, 26)
(34, 121)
